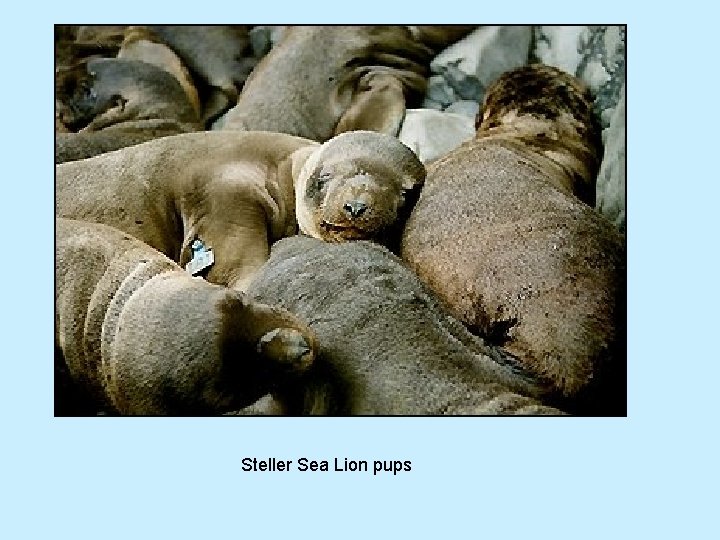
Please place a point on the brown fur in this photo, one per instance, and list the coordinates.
(500, 234)
(319, 81)
(386, 346)
(138, 335)
(76, 43)
(142, 44)
(234, 191)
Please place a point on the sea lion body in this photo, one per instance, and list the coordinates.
(319, 81)
(233, 191)
(386, 346)
(500, 233)
(138, 335)
(218, 56)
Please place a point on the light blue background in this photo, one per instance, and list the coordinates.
(652, 475)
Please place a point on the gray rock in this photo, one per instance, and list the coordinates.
(474, 62)
(431, 133)
(610, 189)
(465, 107)
(439, 91)
(596, 55)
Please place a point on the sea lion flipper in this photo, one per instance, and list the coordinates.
(378, 104)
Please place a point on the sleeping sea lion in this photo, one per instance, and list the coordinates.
(136, 334)
(235, 192)
(386, 345)
(504, 234)
(137, 100)
(319, 81)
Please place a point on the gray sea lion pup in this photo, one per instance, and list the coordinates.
(319, 81)
(236, 192)
(386, 346)
(503, 237)
(138, 335)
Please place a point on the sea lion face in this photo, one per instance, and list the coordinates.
(357, 186)
(80, 95)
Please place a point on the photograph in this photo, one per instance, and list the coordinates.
(340, 220)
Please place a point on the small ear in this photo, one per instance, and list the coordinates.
(377, 104)
(412, 182)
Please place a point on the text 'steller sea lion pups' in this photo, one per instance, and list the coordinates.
(136, 334)
(504, 234)
(236, 193)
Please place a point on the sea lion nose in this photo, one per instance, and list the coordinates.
(286, 346)
(355, 208)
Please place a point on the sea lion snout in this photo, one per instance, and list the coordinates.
(288, 347)
(355, 208)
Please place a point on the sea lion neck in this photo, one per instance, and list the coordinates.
(561, 142)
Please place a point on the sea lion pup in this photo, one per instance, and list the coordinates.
(131, 99)
(143, 44)
(141, 336)
(319, 81)
(100, 92)
(502, 235)
(386, 346)
(235, 192)
(219, 57)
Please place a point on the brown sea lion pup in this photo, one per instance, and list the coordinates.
(502, 235)
(138, 335)
(319, 81)
(133, 101)
(235, 192)
(219, 57)
(101, 92)
(386, 346)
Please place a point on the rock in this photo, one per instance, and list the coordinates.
(439, 91)
(465, 107)
(471, 64)
(431, 134)
(610, 189)
(596, 55)
(559, 46)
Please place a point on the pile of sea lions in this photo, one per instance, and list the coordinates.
(244, 235)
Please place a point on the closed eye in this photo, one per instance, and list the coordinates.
(323, 179)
